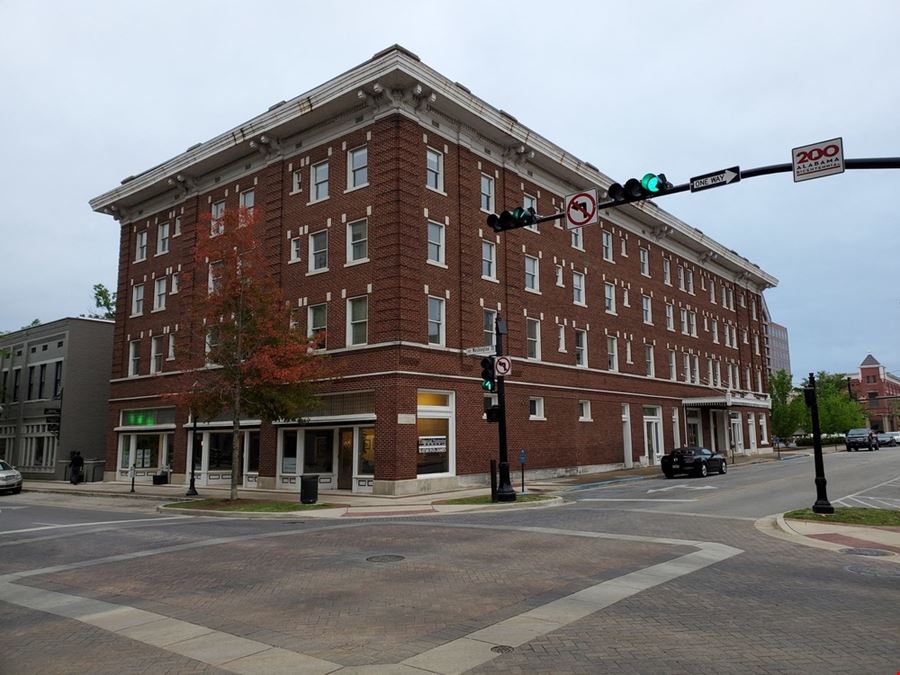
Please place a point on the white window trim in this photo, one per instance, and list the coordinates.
(538, 415)
(312, 184)
(443, 321)
(537, 275)
(134, 300)
(296, 182)
(440, 173)
(493, 248)
(606, 237)
(584, 405)
(159, 300)
(349, 244)
(312, 253)
(609, 301)
(583, 301)
(137, 248)
(492, 196)
(443, 244)
(584, 348)
(349, 324)
(160, 239)
(644, 258)
(537, 351)
(350, 186)
(612, 355)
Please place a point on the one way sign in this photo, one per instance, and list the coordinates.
(716, 179)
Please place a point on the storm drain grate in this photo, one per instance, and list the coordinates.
(873, 552)
(385, 558)
(873, 571)
(502, 649)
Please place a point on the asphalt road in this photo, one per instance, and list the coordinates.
(598, 585)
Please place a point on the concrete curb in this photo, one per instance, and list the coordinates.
(777, 526)
(375, 511)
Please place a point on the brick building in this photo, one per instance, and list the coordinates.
(628, 337)
(879, 392)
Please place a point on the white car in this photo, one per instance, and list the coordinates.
(10, 479)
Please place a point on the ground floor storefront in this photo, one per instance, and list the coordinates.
(399, 437)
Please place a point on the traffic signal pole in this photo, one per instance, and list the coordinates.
(505, 491)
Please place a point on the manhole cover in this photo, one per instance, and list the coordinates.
(874, 552)
(502, 649)
(873, 571)
(385, 558)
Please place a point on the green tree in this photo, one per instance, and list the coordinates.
(104, 300)
(788, 409)
(837, 411)
(249, 361)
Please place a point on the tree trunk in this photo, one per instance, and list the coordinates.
(236, 465)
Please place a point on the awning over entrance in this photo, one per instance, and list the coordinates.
(728, 400)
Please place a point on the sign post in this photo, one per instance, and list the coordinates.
(505, 491)
(522, 462)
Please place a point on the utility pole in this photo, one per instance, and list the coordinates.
(822, 504)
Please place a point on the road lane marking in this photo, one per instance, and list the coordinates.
(655, 499)
(469, 651)
(686, 487)
(102, 522)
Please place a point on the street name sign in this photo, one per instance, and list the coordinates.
(819, 159)
(581, 209)
(484, 350)
(716, 179)
(52, 411)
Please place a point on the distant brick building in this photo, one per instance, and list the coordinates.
(879, 392)
(628, 337)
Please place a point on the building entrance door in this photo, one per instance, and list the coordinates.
(652, 434)
(345, 460)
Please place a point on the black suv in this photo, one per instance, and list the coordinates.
(861, 438)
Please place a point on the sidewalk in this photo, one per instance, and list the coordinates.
(882, 543)
(365, 505)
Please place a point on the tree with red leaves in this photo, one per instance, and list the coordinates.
(247, 358)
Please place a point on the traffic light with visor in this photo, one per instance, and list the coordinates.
(510, 220)
(488, 374)
(635, 190)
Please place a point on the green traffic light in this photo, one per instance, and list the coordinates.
(487, 385)
(651, 182)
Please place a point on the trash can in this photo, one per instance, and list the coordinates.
(309, 489)
(161, 479)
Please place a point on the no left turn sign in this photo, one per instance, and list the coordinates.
(503, 365)
(581, 209)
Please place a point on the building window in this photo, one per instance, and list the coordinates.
(756, 344)
(319, 181)
(690, 281)
(577, 238)
(673, 371)
(134, 358)
(609, 298)
(434, 170)
(607, 246)
(30, 393)
(156, 354)
(488, 259)
(695, 369)
(730, 293)
(435, 243)
(357, 241)
(296, 181)
(649, 361)
(435, 321)
(295, 249)
(137, 300)
(42, 380)
(536, 408)
(612, 354)
(561, 338)
(625, 301)
(559, 276)
(317, 322)
(647, 309)
(715, 331)
(217, 218)
(686, 373)
(159, 294)
(584, 411)
(712, 291)
(578, 288)
(529, 202)
(357, 321)
(17, 376)
(718, 365)
(162, 238)
(532, 274)
(684, 322)
(214, 277)
(170, 355)
(487, 193)
(581, 354)
(645, 262)
(357, 168)
(176, 278)
(489, 316)
(667, 272)
(681, 283)
(628, 352)
(140, 252)
(177, 228)
(57, 379)
(245, 204)
(753, 309)
(670, 316)
(692, 320)
(318, 251)
(533, 339)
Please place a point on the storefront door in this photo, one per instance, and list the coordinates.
(345, 460)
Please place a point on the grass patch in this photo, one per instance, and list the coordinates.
(851, 516)
(486, 499)
(247, 505)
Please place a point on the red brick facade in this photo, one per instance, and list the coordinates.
(879, 392)
(397, 278)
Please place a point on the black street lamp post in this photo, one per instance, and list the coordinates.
(822, 504)
(505, 491)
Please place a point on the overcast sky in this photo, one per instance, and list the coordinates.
(93, 91)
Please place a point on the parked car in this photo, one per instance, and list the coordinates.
(889, 438)
(859, 438)
(10, 479)
(693, 460)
